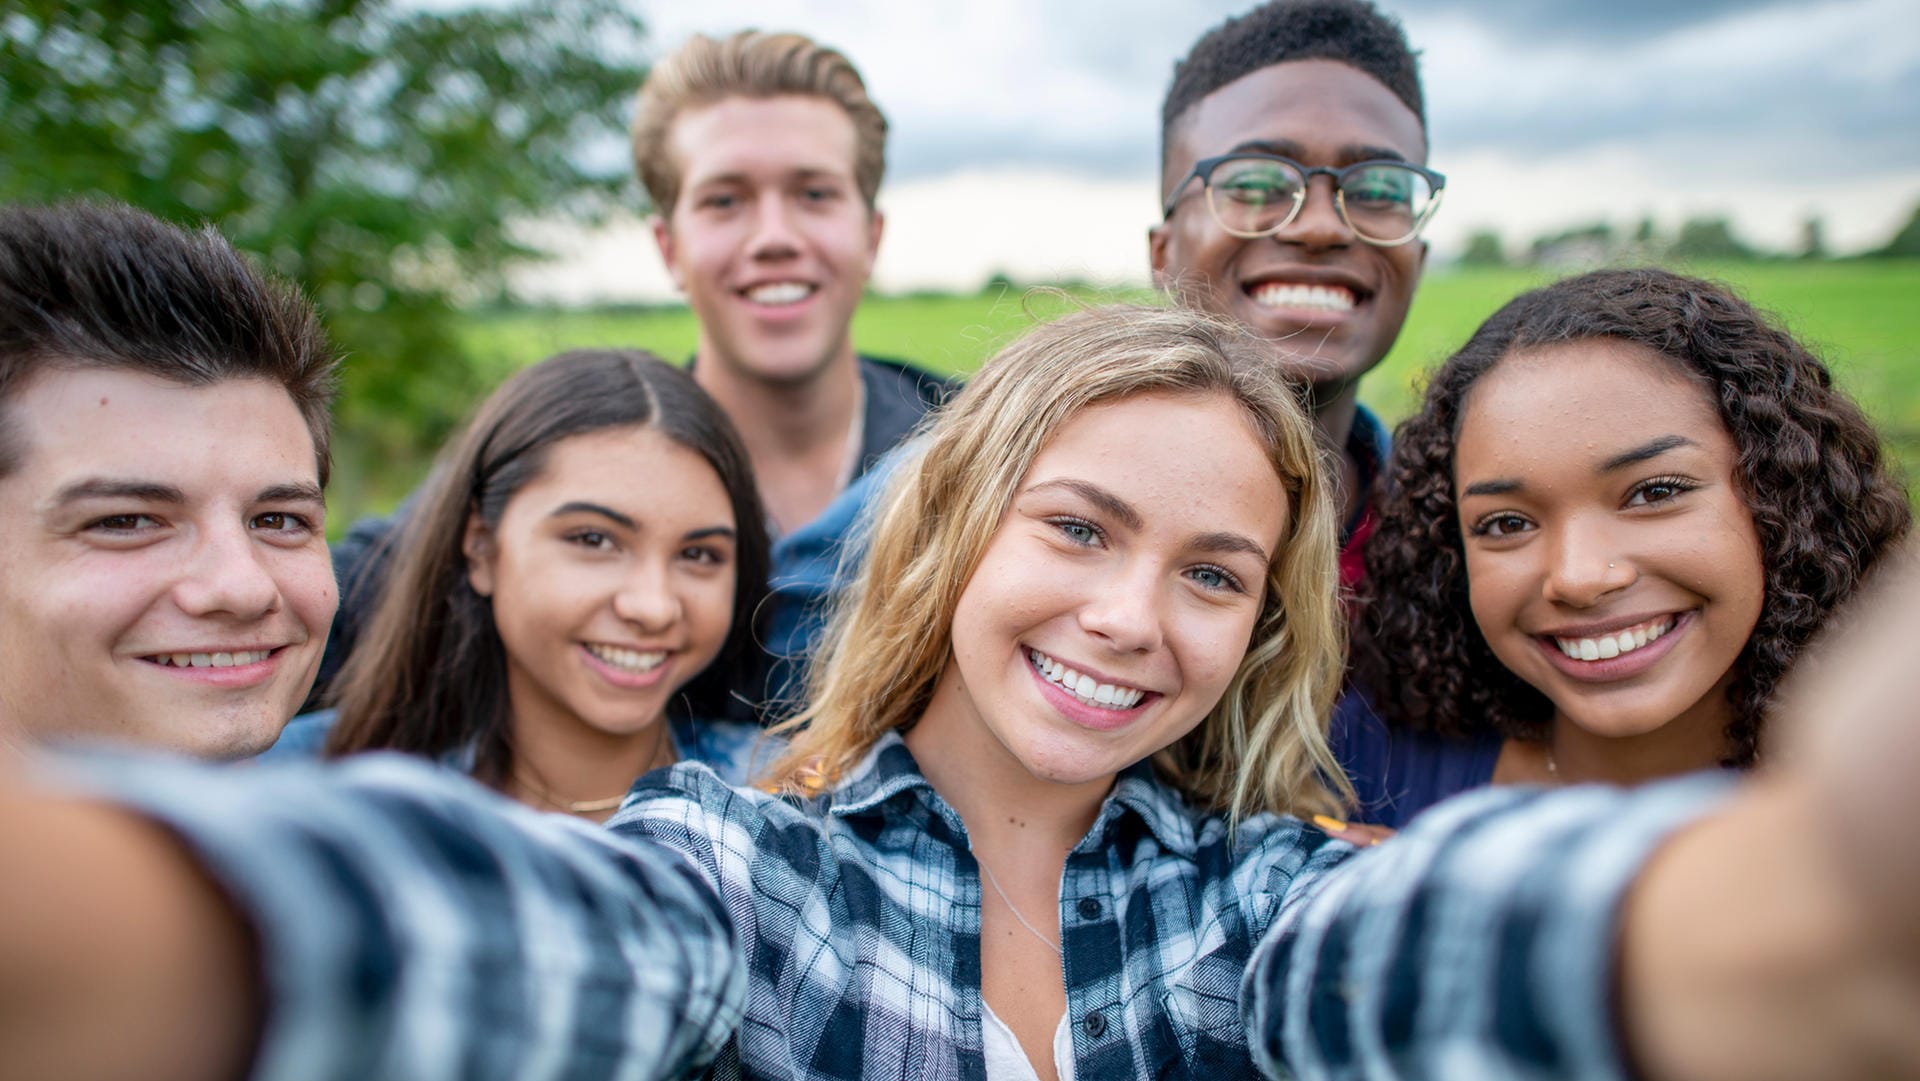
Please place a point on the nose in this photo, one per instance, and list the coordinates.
(647, 599)
(1126, 614)
(774, 232)
(1586, 567)
(1319, 224)
(226, 576)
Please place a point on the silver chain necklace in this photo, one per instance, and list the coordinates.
(1015, 909)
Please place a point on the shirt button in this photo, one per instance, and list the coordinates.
(1089, 908)
(1095, 1024)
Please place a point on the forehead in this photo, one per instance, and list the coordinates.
(1326, 107)
(1579, 401)
(1191, 460)
(743, 136)
(66, 424)
(601, 467)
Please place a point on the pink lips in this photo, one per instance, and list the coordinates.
(232, 676)
(1094, 717)
(1625, 666)
(624, 679)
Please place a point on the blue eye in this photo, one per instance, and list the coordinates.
(1216, 578)
(1078, 530)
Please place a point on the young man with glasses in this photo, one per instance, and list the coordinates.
(1293, 151)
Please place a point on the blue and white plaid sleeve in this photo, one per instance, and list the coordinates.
(412, 925)
(1480, 943)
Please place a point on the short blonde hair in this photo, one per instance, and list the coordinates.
(750, 64)
(1263, 747)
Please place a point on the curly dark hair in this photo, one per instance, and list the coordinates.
(1352, 32)
(1825, 502)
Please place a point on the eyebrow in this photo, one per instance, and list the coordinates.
(1121, 510)
(1653, 448)
(1492, 487)
(146, 491)
(1346, 155)
(581, 507)
(291, 493)
(1229, 542)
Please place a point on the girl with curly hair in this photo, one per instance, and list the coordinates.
(1627, 504)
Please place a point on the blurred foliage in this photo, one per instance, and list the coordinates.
(389, 159)
(1905, 243)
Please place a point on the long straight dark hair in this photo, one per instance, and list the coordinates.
(430, 674)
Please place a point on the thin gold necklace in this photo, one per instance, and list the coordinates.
(572, 807)
(1015, 909)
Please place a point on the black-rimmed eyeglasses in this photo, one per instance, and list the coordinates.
(1254, 195)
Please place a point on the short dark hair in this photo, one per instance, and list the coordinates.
(430, 675)
(1353, 32)
(1825, 502)
(101, 285)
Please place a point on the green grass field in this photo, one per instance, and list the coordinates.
(1863, 318)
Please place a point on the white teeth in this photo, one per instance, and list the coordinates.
(1331, 298)
(1608, 646)
(1082, 686)
(780, 293)
(234, 659)
(631, 660)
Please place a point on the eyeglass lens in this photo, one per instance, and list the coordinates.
(1382, 202)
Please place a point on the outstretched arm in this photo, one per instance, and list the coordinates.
(377, 920)
(1678, 931)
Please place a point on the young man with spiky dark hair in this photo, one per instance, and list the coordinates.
(1293, 154)
(163, 443)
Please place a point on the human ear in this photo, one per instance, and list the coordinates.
(663, 239)
(1157, 256)
(477, 545)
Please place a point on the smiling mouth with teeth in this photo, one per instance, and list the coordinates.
(1330, 298)
(233, 659)
(1113, 696)
(1608, 646)
(628, 660)
(778, 293)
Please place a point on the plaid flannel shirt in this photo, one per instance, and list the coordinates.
(411, 925)
(859, 917)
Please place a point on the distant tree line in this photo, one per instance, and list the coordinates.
(1699, 239)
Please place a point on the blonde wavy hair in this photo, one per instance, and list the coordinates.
(1263, 747)
(750, 64)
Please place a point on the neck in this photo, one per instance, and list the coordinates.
(1693, 741)
(799, 435)
(1333, 413)
(1009, 812)
(561, 762)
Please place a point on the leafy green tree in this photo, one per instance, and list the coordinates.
(1904, 243)
(1484, 249)
(1709, 238)
(1813, 238)
(390, 159)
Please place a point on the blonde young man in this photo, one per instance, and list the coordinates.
(763, 155)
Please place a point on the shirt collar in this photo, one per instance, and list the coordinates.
(889, 772)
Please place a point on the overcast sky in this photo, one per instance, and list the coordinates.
(1025, 135)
